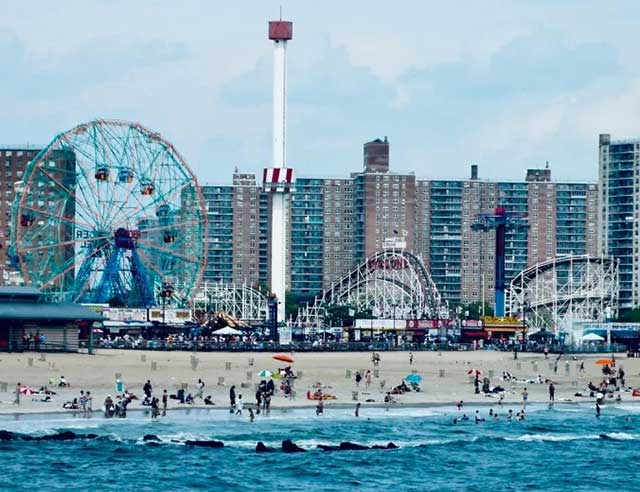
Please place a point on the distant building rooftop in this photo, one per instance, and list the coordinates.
(20, 303)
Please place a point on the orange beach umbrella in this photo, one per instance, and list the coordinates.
(283, 358)
(604, 362)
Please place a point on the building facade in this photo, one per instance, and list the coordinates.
(336, 222)
(619, 185)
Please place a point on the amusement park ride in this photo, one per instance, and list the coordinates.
(500, 221)
(109, 212)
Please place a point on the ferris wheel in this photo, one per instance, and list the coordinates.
(109, 212)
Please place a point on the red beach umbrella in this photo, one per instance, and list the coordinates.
(283, 358)
(474, 372)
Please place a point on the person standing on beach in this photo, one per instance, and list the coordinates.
(515, 351)
(258, 400)
(546, 352)
(552, 392)
(239, 405)
(555, 367)
(17, 400)
(232, 397)
(165, 401)
(410, 358)
(147, 388)
(252, 416)
(525, 397)
(200, 389)
(358, 378)
(89, 402)
(358, 409)
(367, 378)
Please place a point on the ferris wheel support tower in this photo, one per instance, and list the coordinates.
(279, 180)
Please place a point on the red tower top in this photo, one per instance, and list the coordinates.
(280, 30)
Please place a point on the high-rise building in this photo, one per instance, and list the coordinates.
(619, 186)
(334, 223)
(13, 162)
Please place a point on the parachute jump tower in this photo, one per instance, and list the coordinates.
(278, 180)
(500, 221)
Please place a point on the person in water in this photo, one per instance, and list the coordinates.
(478, 418)
(320, 407)
(358, 409)
(252, 416)
(597, 410)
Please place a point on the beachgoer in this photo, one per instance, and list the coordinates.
(367, 378)
(208, 400)
(358, 378)
(239, 405)
(232, 397)
(546, 352)
(320, 407)
(410, 358)
(515, 352)
(510, 414)
(252, 416)
(552, 392)
(555, 367)
(63, 382)
(258, 399)
(621, 377)
(155, 411)
(459, 405)
(525, 397)
(17, 399)
(147, 388)
(165, 402)
(597, 410)
(478, 418)
(358, 409)
(89, 402)
(581, 369)
(200, 388)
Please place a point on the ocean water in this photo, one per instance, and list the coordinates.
(564, 448)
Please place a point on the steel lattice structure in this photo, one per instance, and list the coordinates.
(110, 212)
(242, 302)
(554, 293)
(389, 283)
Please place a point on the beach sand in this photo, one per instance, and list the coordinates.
(97, 373)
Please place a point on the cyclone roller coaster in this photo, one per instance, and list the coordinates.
(556, 293)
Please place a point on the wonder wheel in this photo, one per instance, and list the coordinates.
(109, 212)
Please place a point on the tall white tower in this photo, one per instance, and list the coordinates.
(279, 180)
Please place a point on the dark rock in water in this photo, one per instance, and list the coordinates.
(289, 447)
(327, 447)
(261, 448)
(352, 446)
(388, 446)
(7, 436)
(91, 436)
(150, 437)
(205, 444)
(607, 437)
(61, 436)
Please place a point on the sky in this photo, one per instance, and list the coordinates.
(503, 84)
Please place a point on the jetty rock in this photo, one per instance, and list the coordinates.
(290, 447)
(205, 444)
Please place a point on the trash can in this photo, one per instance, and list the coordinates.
(119, 386)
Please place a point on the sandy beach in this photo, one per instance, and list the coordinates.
(445, 376)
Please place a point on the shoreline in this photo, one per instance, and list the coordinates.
(328, 406)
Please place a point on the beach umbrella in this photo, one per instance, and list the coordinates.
(265, 374)
(27, 390)
(413, 378)
(604, 362)
(227, 331)
(283, 358)
(474, 372)
(592, 337)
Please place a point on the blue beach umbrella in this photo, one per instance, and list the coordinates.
(413, 378)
